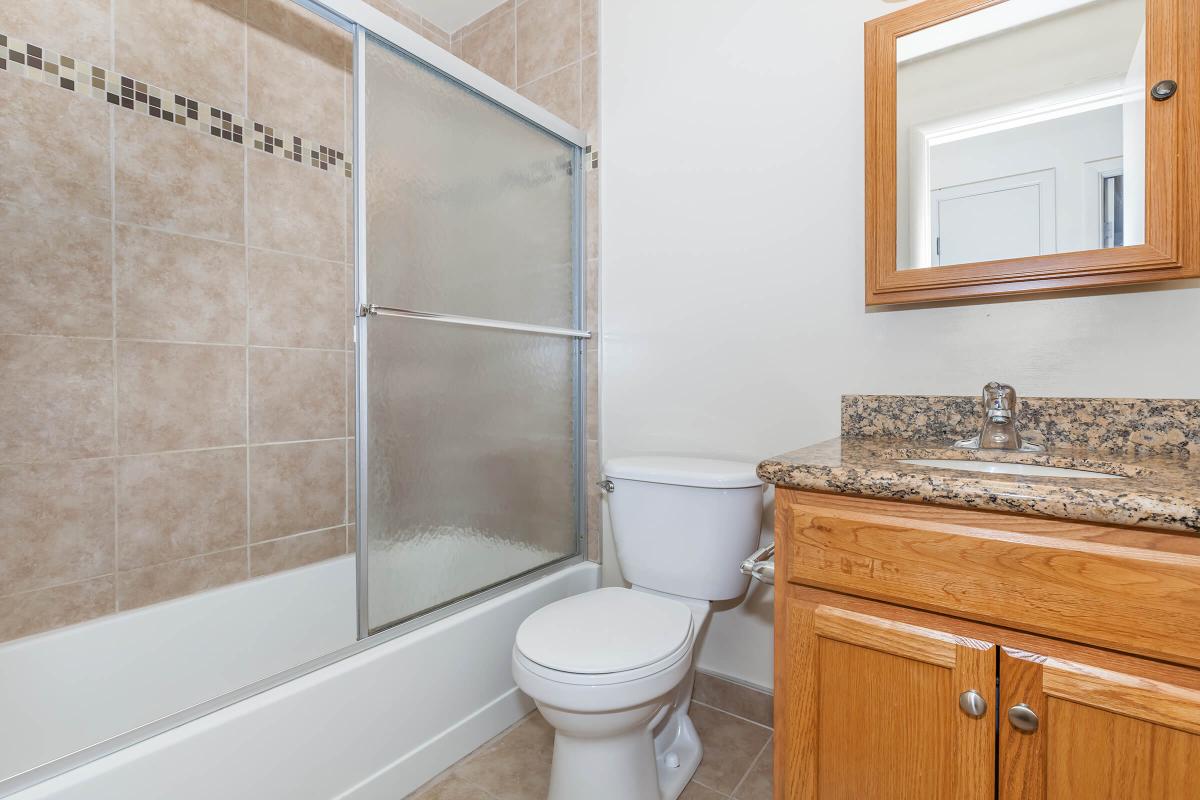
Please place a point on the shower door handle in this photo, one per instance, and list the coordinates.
(761, 565)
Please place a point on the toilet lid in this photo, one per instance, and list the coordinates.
(603, 631)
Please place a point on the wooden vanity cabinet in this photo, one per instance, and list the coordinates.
(872, 659)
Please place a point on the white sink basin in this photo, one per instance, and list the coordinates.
(1007, 469)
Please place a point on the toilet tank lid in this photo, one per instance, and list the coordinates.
(707, 473)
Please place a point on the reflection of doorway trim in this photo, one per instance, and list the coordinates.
(1047, 205)
(1055, 105)
(1094, 173)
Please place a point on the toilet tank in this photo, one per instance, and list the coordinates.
(683, 525)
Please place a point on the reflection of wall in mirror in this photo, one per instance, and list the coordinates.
(1053, 63)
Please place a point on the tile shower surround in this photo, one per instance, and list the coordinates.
(180, 417)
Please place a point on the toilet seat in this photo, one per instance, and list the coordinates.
(605, 636)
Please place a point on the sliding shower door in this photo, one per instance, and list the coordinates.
(470, 348)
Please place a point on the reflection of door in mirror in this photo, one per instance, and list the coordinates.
(1021, 132)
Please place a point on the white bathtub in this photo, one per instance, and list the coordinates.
(376, 724)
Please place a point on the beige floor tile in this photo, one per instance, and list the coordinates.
(730, 747)
(694, 791)
(758, 782)
(453, 788)
(517, 767)
(741, 701)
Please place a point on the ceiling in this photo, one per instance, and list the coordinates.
(450, 15)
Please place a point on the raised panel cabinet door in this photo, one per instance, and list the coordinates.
(872, 709)
(1081, 732)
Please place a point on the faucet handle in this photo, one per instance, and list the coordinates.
(999, 401)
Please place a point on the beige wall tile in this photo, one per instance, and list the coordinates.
(491, 48)
(435, 34)
(351, 538)
(296, 551)
(56, 398)
(180, 396)
(500, 10)
(407, 18)
(56, 523)
(296, 301)
(547, 37)
(193, 47)
(70, 293)
(589, 24)
(141, 587)
(174, 505)
(296, 394)
(171, 286)
(77, 28)
(304, 30)
(593, 213)
(351, 482)
(57, 153)
(178, 180)
(296, 89)
(558, 93)
(45, 609)
(296, 208)
(351, 382)
(296, 488)
(589, 118)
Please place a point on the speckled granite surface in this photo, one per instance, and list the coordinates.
(1147, 442)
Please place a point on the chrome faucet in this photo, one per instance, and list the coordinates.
(999, 428)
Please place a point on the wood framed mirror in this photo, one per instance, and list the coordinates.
(1021, 146)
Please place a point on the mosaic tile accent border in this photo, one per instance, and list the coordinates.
(54, 69)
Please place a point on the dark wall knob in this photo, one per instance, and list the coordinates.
(1164, 90)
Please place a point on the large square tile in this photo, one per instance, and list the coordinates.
(296, 208)
(178, 180)
(179, 288)
(141, 587)
(56, 523)
(193, 47)
(297, 487)
(730, 747)
(180, 396)
(45, 609)
(547, 37)
(558, 93)
(78, 278)
(296, 551)
(491, 48)
(758, 783)
(296, 394)
(57, 149)
(296, 301)
(517, 766)
(56, 398)
(175, 505)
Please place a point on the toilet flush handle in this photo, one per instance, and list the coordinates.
(761, 565)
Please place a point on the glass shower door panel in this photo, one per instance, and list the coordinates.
(470, 208)
(470, 448)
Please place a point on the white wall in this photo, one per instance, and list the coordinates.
(732, 208)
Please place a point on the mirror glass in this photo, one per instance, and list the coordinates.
(1021, 131)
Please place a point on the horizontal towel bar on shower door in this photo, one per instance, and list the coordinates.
(473, 322)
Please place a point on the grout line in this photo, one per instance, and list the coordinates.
(173, 452)
(753, 763)
(731, 714)
(112, 239)
(140, 340)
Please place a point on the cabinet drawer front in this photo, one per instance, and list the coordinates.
(1103, 590)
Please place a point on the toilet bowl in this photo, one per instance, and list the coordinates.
(612, 669)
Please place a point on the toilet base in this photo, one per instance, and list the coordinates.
(677, 752)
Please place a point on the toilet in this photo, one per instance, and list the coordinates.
(611, 670)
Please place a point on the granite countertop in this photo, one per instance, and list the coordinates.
(1150, 443)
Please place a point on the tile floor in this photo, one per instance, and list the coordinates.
(516, 764)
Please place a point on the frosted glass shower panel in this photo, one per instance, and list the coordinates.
(470, 208)
(471, 474)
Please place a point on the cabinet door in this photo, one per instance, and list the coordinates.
(1100, 734)
(871, 710)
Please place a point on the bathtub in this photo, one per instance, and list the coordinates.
(376, 723)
